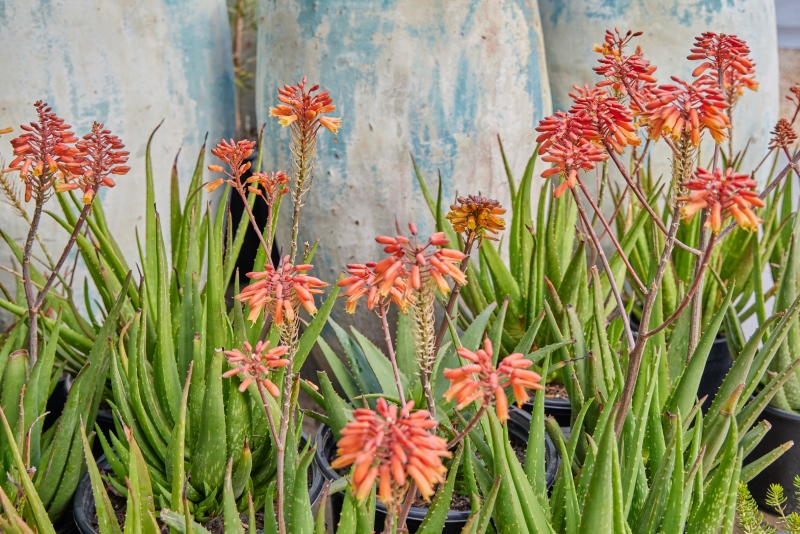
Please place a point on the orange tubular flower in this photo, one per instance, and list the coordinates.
(569, 158)
(256, 364)
(43, 152)
(234, 154)
(413, 263)
(688, 109)
(557, 127)
(622, 71)
(480, 380)
(729, 55)
(477, 215)
(726, 194)
(783, 136)
(361, 282)
(390, 445)
(604, 118)
(273, 184)
(99, 156)
(304, 110)
(281, 291)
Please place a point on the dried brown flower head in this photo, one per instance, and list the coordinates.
(783, 136)
(477, 215)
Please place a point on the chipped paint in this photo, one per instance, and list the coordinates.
(434, 78)
(572, 27)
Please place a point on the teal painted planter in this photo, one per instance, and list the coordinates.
(128, 64)
(572, 27)
(434, 78)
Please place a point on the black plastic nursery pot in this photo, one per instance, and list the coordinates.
(557, 408)
(518, 427)
(84, 508)
(785, 427)
(717, 366)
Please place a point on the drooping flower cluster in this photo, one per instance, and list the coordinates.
(729, 55)
(41, 151)
(686, 109)
(99, 155)
(619, 70)
(569, 158)
(477, 215)
(783, 136)
(361, 282)
(390, 445)
(234, 154)
(272, 184)
(726, 194)
(480, 380)
(604, 119)
(281, 291)
(414, 262)
(304, 109)
(256, 364)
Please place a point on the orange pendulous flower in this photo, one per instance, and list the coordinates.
(729, 55)
(729, 193)
(481, 381)
(687, 109)
(305, 110)
(390, 445)
(477, 215)
(783, 136)
(569, 158)
(361, 282)
(622, 71)
(273, 185)
(234, 154)
(281, 291)
(99, 156)
(43, 152)
(256, 364)
(604, 119)
(413, 262)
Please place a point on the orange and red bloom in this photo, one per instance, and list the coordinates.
(281, 291)
(234, 154)
(482, 381)
(725, 194)
(273, 185)
(569, 158)
(390, 445)
(414, 262)
(305, 110)
(729, 55)
(361, 282)
(477, 215)
(622, 71)
(256, 364)
(99, 155)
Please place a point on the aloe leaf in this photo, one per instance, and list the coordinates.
(379, 364)
(496, 331)
(333, 405)
(177, 449)
(359, 366)
(208, 455)
(149, 262)
(509, 518)
(312, 331)
(106, 518)
(598, 508)
(434, 520)
(233, 524)
(535, 511)
(504, 282)
(535, 467)
(299, 519)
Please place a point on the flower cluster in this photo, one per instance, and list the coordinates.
(685, 109)
(99, 155)
(622, 71)
(256, 364)
(305, 109)
(604, 119)
(42, 150)
(729, 193)
(569, 158)
(480, 380)
(281, 291)
(414, 262)
(361, 282)
(390, 445)
(477, 215)
(783, 136)
(234, 154)
(273, 184)
(726, 55)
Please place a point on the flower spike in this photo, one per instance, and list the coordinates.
(255, 365)
(730, 193)
(477, 215)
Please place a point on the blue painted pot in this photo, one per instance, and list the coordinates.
(572, 27)
(436, 79)
(127, 64)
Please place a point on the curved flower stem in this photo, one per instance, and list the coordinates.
(270, 418)
(635, 357)
(635, 188)
(614, 289)
(696, 317)
(611, 235)
(382, 312)
(33, 312)
(474, 421)
(410, 496)
(451, 303)
(240, 189)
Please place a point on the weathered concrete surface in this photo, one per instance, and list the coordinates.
(128, 64)
(434, 78)
(572, 27)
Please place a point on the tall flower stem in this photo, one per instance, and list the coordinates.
(288, 338)
(33, 341)
(383, 312)
(609, 274)
(451, 303)
(467, 429)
